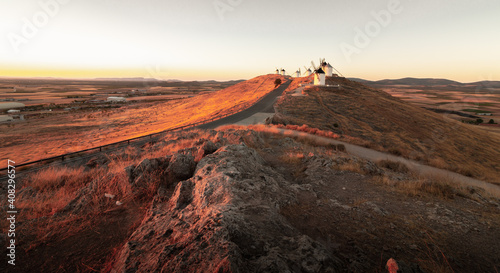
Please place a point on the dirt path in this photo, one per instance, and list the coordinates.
(373, 155)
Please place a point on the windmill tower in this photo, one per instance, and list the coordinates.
(297, 74)
(308, 71)
(283, 72)
(277, 71)
(319, 75)
(328, 70)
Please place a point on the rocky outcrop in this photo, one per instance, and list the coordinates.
(225, 218)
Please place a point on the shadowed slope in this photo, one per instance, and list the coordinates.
(388, 124)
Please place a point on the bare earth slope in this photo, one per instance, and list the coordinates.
(41, 138)
(386, 123)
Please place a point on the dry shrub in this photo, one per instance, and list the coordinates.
(293, 158)
(436, 185)
(438, 163)
(393, 166)
(53, 178)
(351, 166)
(306, 129)
(53, 188)
(395, 151)
(467, 171)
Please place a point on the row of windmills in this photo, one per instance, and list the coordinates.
(322, 71)
(281, 72)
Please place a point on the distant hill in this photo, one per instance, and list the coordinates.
(126, 79)
(411, 81)
(428, 82)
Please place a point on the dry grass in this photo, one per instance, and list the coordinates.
(297, 81)
(417, 185)
(393, 166)
(292, 158)
(379, 121)
(54, 187)
(72, 132)
(436, 260)
(351, 166)
(63, 203)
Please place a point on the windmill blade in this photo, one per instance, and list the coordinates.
(338, 72)
(313, 65)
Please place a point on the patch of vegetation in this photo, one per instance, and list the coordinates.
(393, 166)
(475, 111)
(484, 104)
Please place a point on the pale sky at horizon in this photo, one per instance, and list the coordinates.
(190, 40)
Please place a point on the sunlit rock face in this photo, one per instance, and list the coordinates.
(225, 218)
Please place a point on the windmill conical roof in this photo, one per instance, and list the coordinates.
(320, 71)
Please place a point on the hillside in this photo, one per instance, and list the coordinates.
(385, 123)
(242, 200)
(51, 136)
(427, 82)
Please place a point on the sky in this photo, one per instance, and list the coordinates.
(242, 39)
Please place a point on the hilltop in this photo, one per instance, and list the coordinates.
(385, 123)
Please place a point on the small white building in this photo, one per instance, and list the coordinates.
(297, 74)
(277, 71)
(116, 99)
(283, 72)
(319, 77)
(13, 111)
(308, 73)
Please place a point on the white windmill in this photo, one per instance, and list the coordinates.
(297, 74)
(328, 69)
(308, 71)
(283, 72)
(277, 71)
(319, 75)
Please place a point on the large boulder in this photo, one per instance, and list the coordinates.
(226, 218)
(180, 167)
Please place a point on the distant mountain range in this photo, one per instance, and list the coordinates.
(427, 82)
